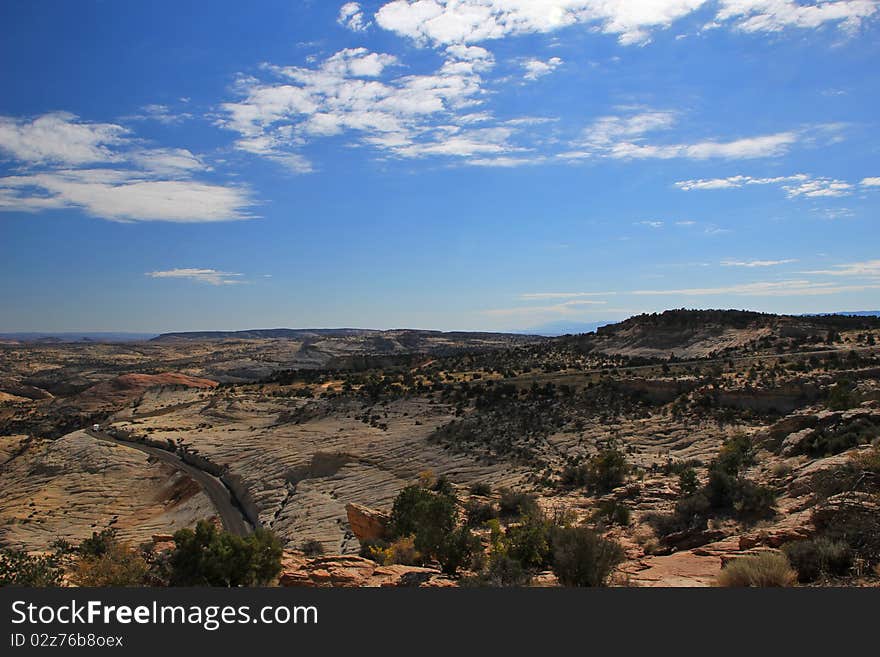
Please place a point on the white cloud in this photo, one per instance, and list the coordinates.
(350, 94)
(60, 138)
(870, 182)
(651, 224)
(470, 21)
(442, 22)
(625, 137)
(794, 186)
(209, 276)
(756, 263)
(124, 196)
(776, 15)
(535, 68)
(819, 187)
(351, 16)
(124, 182)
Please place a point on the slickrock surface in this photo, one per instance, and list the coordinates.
(301, 475)
(76, 485)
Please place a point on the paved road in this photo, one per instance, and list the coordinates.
(229, 512)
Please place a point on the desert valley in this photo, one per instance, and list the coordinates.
(687, 441)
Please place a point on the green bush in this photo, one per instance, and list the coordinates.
(613, 512)
(529, 541)
(479, 512)
(767, 569)
(481, 489)
(98, 544)
(606, 471)
(312, 548)
(212, 557)
(581, 557)
(819, 556)
(457, 550)
(18, 568)
(688, 483)
(502, 571)
(516, 503)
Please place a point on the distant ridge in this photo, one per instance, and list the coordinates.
(305, 334)
(85, 336)
(848, 313)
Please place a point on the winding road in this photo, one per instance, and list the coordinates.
(221, 497)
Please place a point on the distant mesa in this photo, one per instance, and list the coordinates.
(306, 334)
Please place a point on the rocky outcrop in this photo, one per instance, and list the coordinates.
(367, 524)
(351, 571)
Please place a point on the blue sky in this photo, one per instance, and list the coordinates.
(449, 164)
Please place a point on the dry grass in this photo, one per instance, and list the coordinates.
(760, 570)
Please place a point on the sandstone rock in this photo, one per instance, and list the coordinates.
(793, 443)
(366, 523)
(349, 571)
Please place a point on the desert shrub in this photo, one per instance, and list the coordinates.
(735, 454)
(19, 568)
(501, 571)
(613, 512)
(430, 518)
(403, 551)
(529, 541)
(376, 550)
(688, 483)
(868, 461)
(116, 565)
(443, 486)
(98, 544)
(691, 514)
(207, 556)
(766, 569)
(516, 503)
(855, 523)
(819, 556)
(842, 396)
(728, 491)
(752, 501)
(837, 439)
(606, 471)
(312, 548)
(581, 557)
(479, 512)
(574, 476)
(427, 516)
(457, 550)
(481, 489)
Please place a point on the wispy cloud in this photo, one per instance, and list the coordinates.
(765, 289)
(209, 276)
(531, 296)
(100, 168)
(625, 137)
(756, 263)
(867, 269)
(796, 185)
